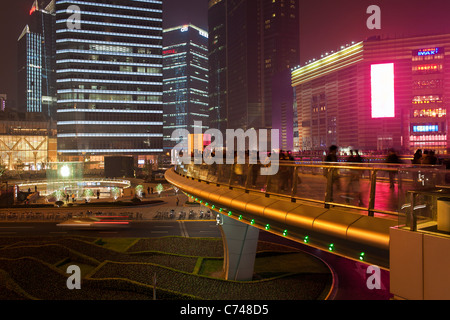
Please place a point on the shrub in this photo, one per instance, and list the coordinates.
(136, 200)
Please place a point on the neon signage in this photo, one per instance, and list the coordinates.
(171, 51)
(426, 128)
(428, 52)
(33, 9)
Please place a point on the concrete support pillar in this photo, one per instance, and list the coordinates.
(240, 243)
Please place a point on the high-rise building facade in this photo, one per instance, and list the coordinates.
(3, 101)
(36, 62)
(281, 52)
(250, 43)
(185, 80)
(217, 41)
(375, 95)
(109, 78)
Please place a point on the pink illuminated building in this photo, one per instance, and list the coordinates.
(377, 94)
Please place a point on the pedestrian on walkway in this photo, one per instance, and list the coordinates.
(392, 158)
(353, 187)
(417, 159)
(332, 157)
(178, 200)
(433, 159)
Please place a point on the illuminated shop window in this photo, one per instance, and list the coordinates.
(435, 137)
(427, 84)
(432, 113)
(428, 58)
(427, 99)
(430, 145)
(427, 68)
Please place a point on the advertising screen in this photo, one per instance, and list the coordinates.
(382, 84)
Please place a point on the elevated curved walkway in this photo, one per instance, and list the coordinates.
(339, 230)
(302, 202)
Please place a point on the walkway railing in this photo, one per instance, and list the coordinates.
(383, 189)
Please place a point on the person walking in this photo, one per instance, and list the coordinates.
(425, 157)
(417, 158)
(353, 187)
(332, 154)
(332, 157)
(392, 158)
(433, 159)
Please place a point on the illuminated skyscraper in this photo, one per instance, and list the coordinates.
(109, 78)
(375, 95)
(185, 80)
(36, 62)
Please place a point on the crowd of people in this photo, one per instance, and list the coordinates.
(425, 157)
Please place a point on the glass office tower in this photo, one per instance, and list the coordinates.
(109, 78)
(185, 80)
(30, 71)
(36, 62)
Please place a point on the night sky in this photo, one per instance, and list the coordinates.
(325, 25)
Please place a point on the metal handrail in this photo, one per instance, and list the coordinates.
(327, 202)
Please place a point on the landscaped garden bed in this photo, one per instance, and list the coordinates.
(123, 269)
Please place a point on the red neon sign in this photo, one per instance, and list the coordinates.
(172, 51)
